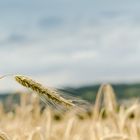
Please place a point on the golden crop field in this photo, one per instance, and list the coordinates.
(104, 120)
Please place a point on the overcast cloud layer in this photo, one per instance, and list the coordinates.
(70, 42)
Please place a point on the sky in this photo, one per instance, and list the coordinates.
(70, 42)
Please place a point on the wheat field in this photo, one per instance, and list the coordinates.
(104, 120)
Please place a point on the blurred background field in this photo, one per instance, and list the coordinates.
(104, 120)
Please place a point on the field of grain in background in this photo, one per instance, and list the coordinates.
(105, 120)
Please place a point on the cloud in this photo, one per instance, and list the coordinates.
(102, 56)
(50, 22)
(70, 46)
(14, 39)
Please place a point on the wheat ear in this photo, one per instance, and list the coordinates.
(47, 95)
(3, 136)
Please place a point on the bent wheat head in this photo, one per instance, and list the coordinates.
(46, 94)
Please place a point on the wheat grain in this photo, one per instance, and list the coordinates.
(46, 94)
(3, 136)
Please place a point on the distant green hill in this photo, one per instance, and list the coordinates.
(123, 91)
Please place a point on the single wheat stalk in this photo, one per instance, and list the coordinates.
(46, 94)
(115, 137)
